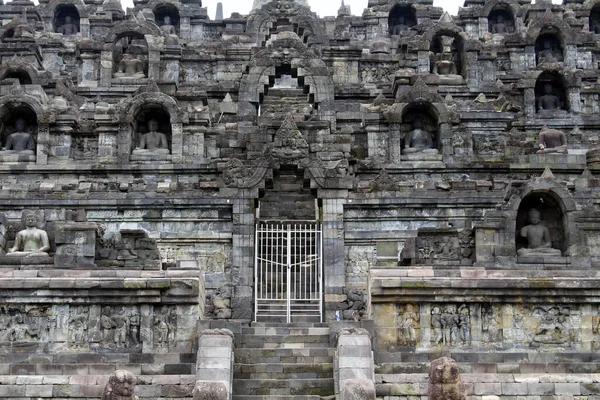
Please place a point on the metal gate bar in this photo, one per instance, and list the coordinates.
(288, 270)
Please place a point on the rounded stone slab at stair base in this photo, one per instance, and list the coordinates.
(210, 391)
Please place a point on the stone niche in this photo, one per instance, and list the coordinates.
(401, 19)
(552, 218)
(19, 134)
(66, 20)
(168, 18)
(420, 125)
(549, 48)
(501, 20)
(551, 94)
(141, 127)
(130, 57)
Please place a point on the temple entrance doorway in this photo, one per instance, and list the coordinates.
(288, 272)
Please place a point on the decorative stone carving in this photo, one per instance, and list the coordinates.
(236, 174)
(20, 324)
(120, 386)
(549, 52)
(68, 27)
(220, 300)
(552, 141)
(444, 380)
(164, 327)
(31, 241)
(553, 326)
(441, 248)
(408, 323)
(289, 144)
(383, 182)
(491, 323)
(20, 141)
(127, 248)
(539, 242)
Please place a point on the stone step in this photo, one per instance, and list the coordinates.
(67, 369)
(285, 330)
(290, 341)
(283, 371)
(288, 356)
(320, 387)
(291, 325)
(497, 368)
(281, 397)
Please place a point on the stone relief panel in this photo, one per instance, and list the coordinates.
(120, 327)
(481, 327)
(377, 72)
(436, 247)
(359, 260)
(164, 327)
(23, 325)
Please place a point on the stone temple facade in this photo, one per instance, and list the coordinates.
(285, 206)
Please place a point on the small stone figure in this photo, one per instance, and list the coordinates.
(419, 140)
(130, 67)
(355, 305)
(448, 324)
(548, 101)
(445, 65)
(134, 327)
(78, 327)
(444, 380)
(222, 305)
(539, 242)
(106, 324)
(120, 386)
(22, 332)
(153, 142)
(499, 27)
(549, 54)
(552, 141)
(19, 142)
(167, 27)
(406, 323)
(31, 241)
(68, 28)
(464, 325)
(121, 325)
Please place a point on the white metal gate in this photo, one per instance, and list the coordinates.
(288, 271)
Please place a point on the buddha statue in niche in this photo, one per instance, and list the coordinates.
(539, 242)
(20, 141)
(549, 53)
(548, 101)
(153, 142)
(444, 61)
(399, 25)
(30, 241)
(500, 26)
(130, 67)
(552, 141)
(419, 140)
(167, 27)
(68, 27)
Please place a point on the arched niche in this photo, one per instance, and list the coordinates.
(501, 20)
(304, 65)
(22, 75)
(552, 217)
(422, 119)
(66, 19)
(595, 19)
(130, 56)
(151, 112)
(168, 18)
(447, 54)
(551, 92)
(549, 47)
(19, 132)
(401, 18)
(286, 86)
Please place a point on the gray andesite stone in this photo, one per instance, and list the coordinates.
(210, 391)
(358, 389)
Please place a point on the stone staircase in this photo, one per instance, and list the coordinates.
(284, 361)
(77, 376)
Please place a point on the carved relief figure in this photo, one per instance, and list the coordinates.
(134, 326)
(22, 332)
(120, 386)
(552, 328)
(419, 139)
(464, 325)
(354, 306)
(408, 320)
(539, 242)
(20, 141)
(130, 67)
(549, 101)
(552, 141)
(491, 324)
(499, 26)
(436, 325)
(31, 241)
(78, 327)
(221, 302)
(153, 142)
(444, 56)
(121, 328)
